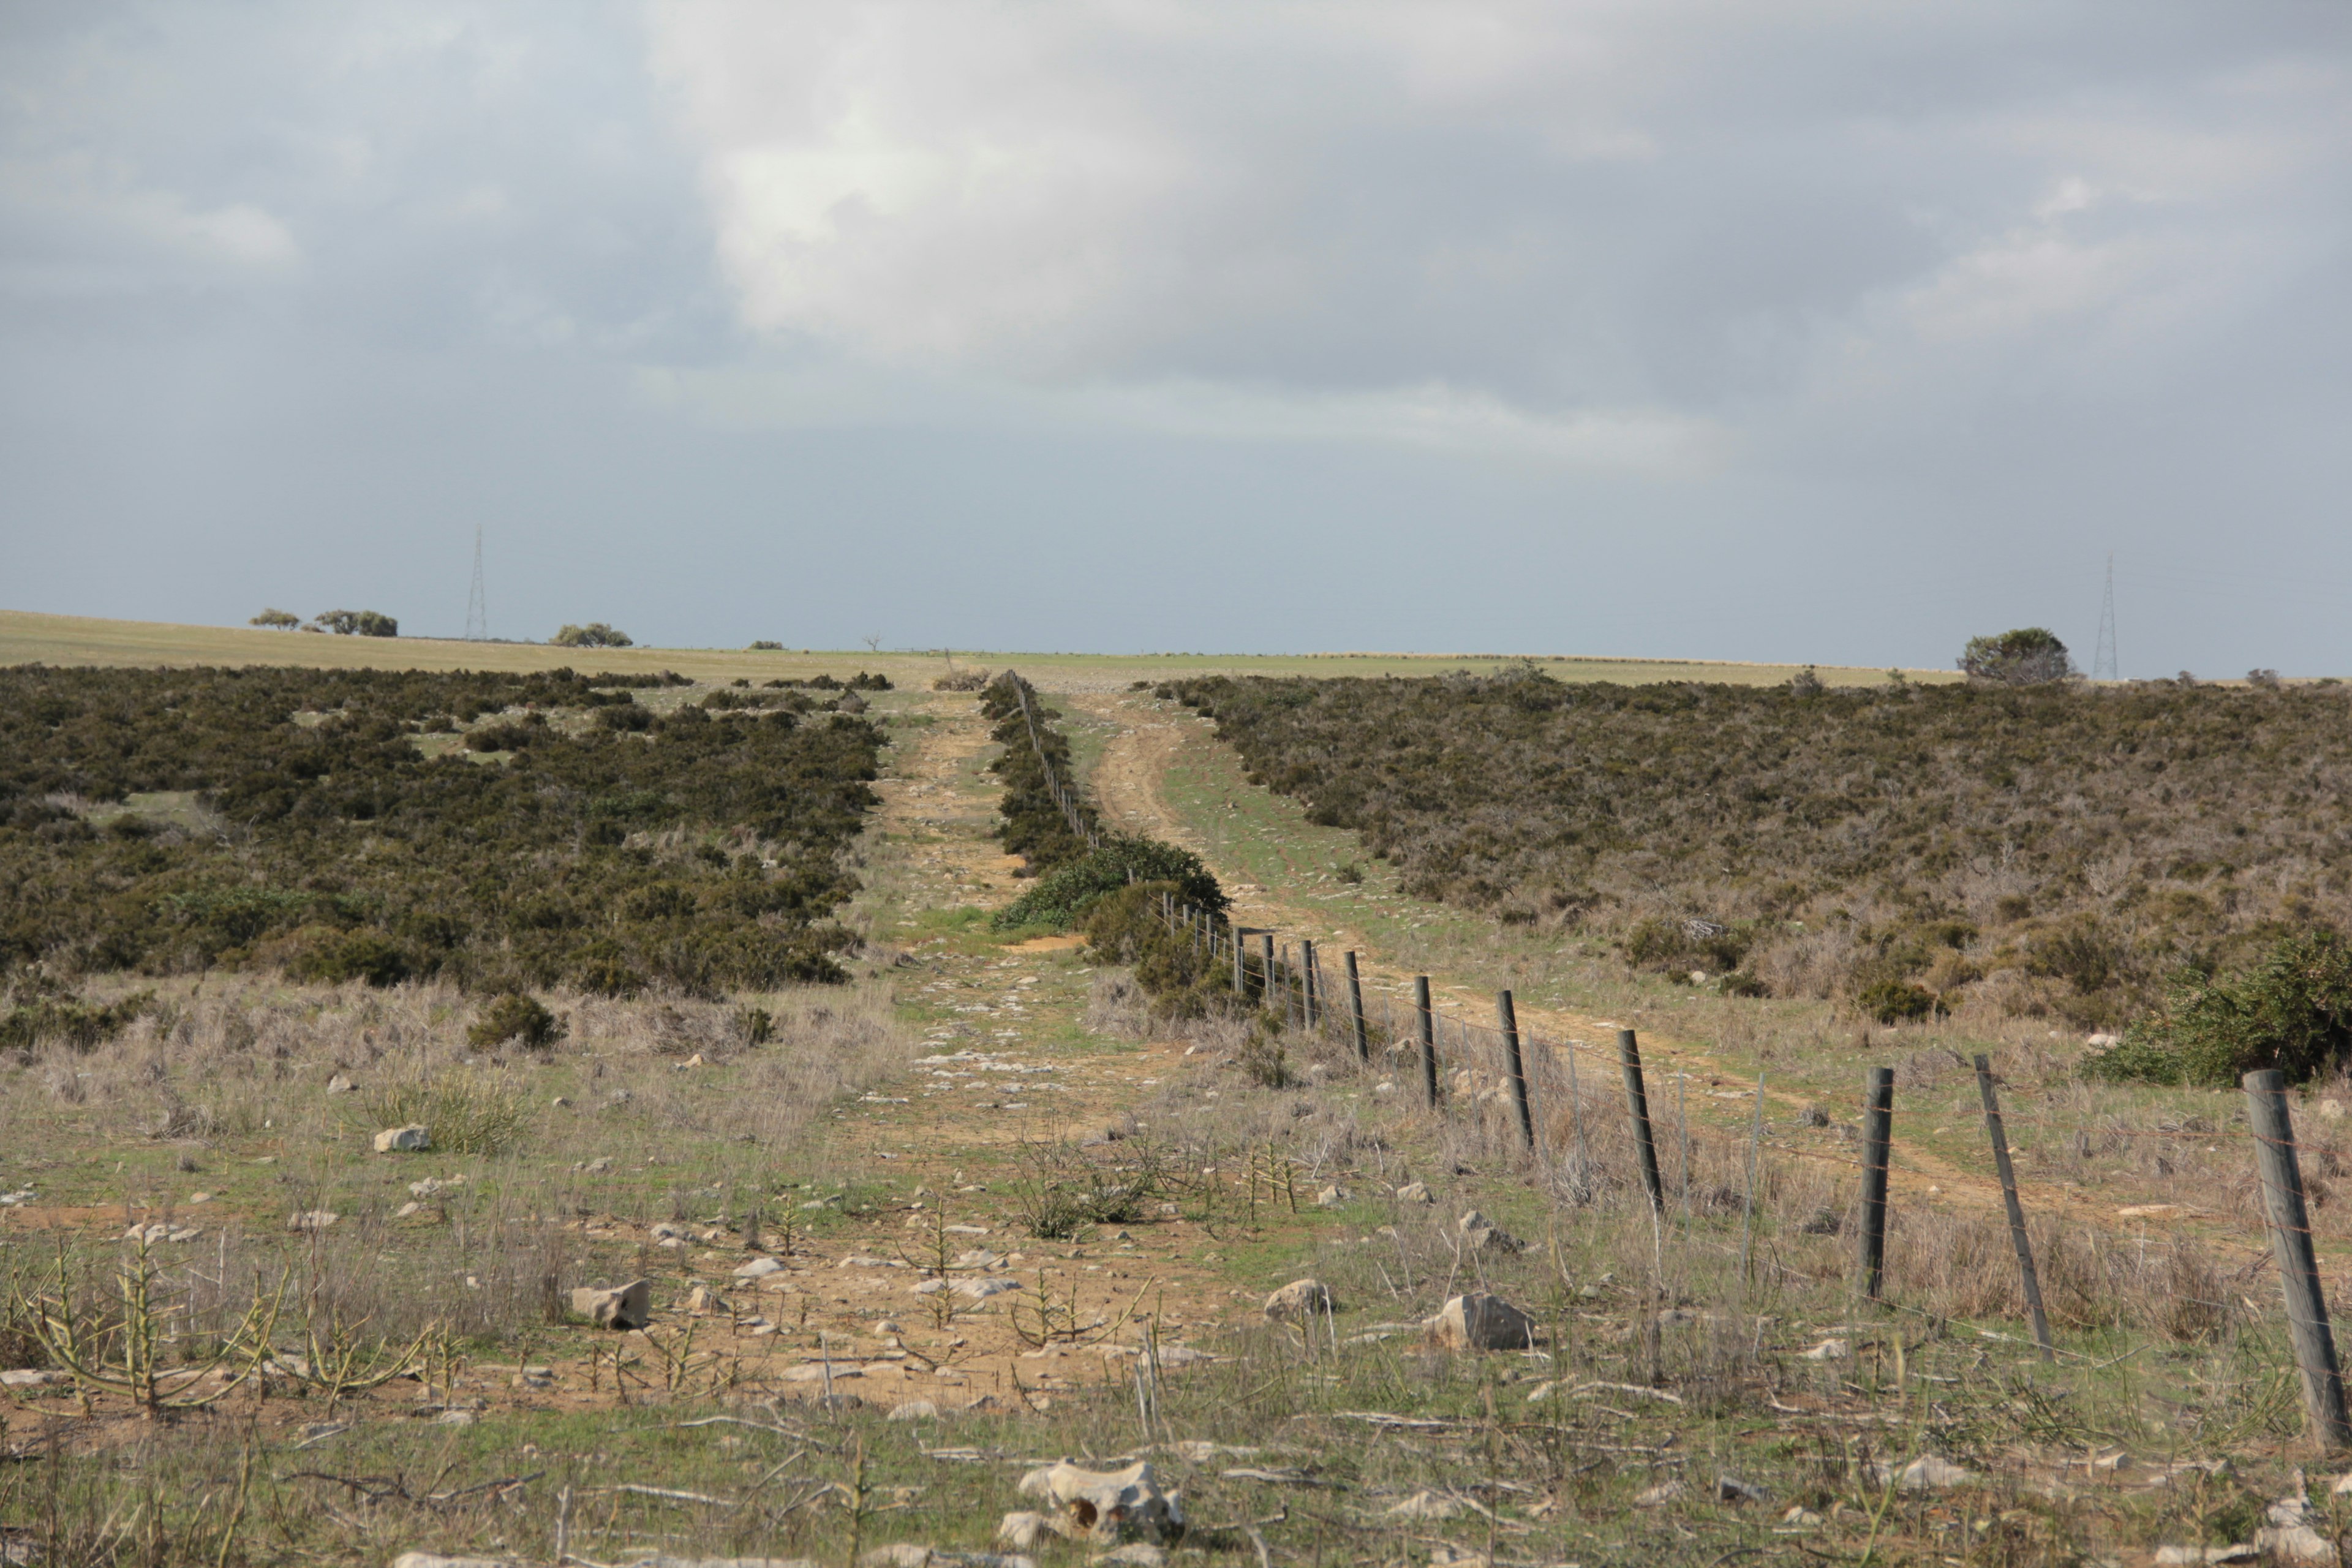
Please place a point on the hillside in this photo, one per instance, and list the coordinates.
(2032, 852)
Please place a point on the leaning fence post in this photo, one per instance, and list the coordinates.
(1306, 981)
(2024, 1243)
(1428, 1038)
(1509, 1019)
(2290, 1223)
(1356, 1007)
(1637, 1100)
(1265, 955)
(1241, 973)
(1748, 1214)
(1877, 1134)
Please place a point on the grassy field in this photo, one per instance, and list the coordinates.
(27, 637)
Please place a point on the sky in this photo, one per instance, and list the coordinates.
(1813, 332)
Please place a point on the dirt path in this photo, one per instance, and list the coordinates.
(1129, 784)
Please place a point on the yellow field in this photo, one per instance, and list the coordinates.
(27, 637)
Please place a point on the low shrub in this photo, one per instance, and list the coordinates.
(1063, 895)
(499, 737)
(2292, 1010)
(1897, 1002)
(464, 1112)
(516, 1017)
(40, 1010)
(1063, 1193)
(355, 623)
(333, 957)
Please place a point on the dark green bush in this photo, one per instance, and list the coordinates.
(1063, 895)
(499, 737)
(2031, 656)
(515, 1016)
(40, 1010)
(2290, 1010)
(354, 623)
(595, 633)
(1897, 1002)
(345, 852)
(631, 718)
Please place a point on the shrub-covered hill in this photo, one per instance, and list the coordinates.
(2053, 850)
(493, 829)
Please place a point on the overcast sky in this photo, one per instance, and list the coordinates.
(1826, 331)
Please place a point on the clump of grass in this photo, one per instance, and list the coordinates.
(516, 1017)
(1063, 1192)
(467, 1113)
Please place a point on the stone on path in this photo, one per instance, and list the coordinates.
(413, 1138)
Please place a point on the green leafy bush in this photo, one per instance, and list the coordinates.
(1063, 895)
(2290, 1010)
(40, 1010)
(516, 1017)
(463, 1111)
(277, 620)
(355, 623)
(2031, 656)
(1897, 1002)
(595, 633)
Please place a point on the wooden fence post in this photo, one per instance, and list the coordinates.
(1509, 1019)
(1637, 1100)
(2290, 1223)
(1266, 957)
(2018, 1238)
(1428, 1038)
(1241, 972)
(1877, 1136)
(1306, 981)
(1356, 1007)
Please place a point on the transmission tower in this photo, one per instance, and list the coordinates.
(2102, 661)
(478, 611)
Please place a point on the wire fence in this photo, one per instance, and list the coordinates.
(1515, 1090)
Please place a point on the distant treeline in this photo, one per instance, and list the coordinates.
(2053, 850)
(318, 821)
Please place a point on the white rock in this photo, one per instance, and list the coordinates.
(1134, 1554)
(1830, 1350)
(1483, 1322)
(312, 1220)
(1425, 1505)
(433, 1559)
(1929, 1472)
(31, 1377)
(1110, 1506)
(702, 1298)
(759, 1268)
(2297, 1544)
(981, 1290)
(411, 1207)
(411, 1140)
(813, 1372)
(626, 1306)
(1658, 1496)
(339, 1084)
(1415, 1192)
(1330, 1198)
(915, 1410)
(1301, 1298)
(454, 1419)
(1021, 1532)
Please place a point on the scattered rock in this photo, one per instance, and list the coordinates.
(433, 1559)
(1300, 1299)
(561, 1103)
(597, 1166)
(312, 1220)
(1731, 1489)
(1481, 1235)
(814, 1371)
(1110, 1506)
(915, 1410)
(1812, 1116)
(1425, 1505)
(1415, 1192)
(1483, 1322)
(407, 1209)
(902, 1554)
(1658, 1496)
(623, 1307)
(2185, 1556)
(1330, 1198)
(454, 1419)
(1134, 1554)
(759, 1268)
(1800, 1516)
(702, 1298)
(1021, 1532)
(339, 1084)
(981, 1290)
(1830, 1350)
(1929, 1472)
(410, 1140)
(31, 1377)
